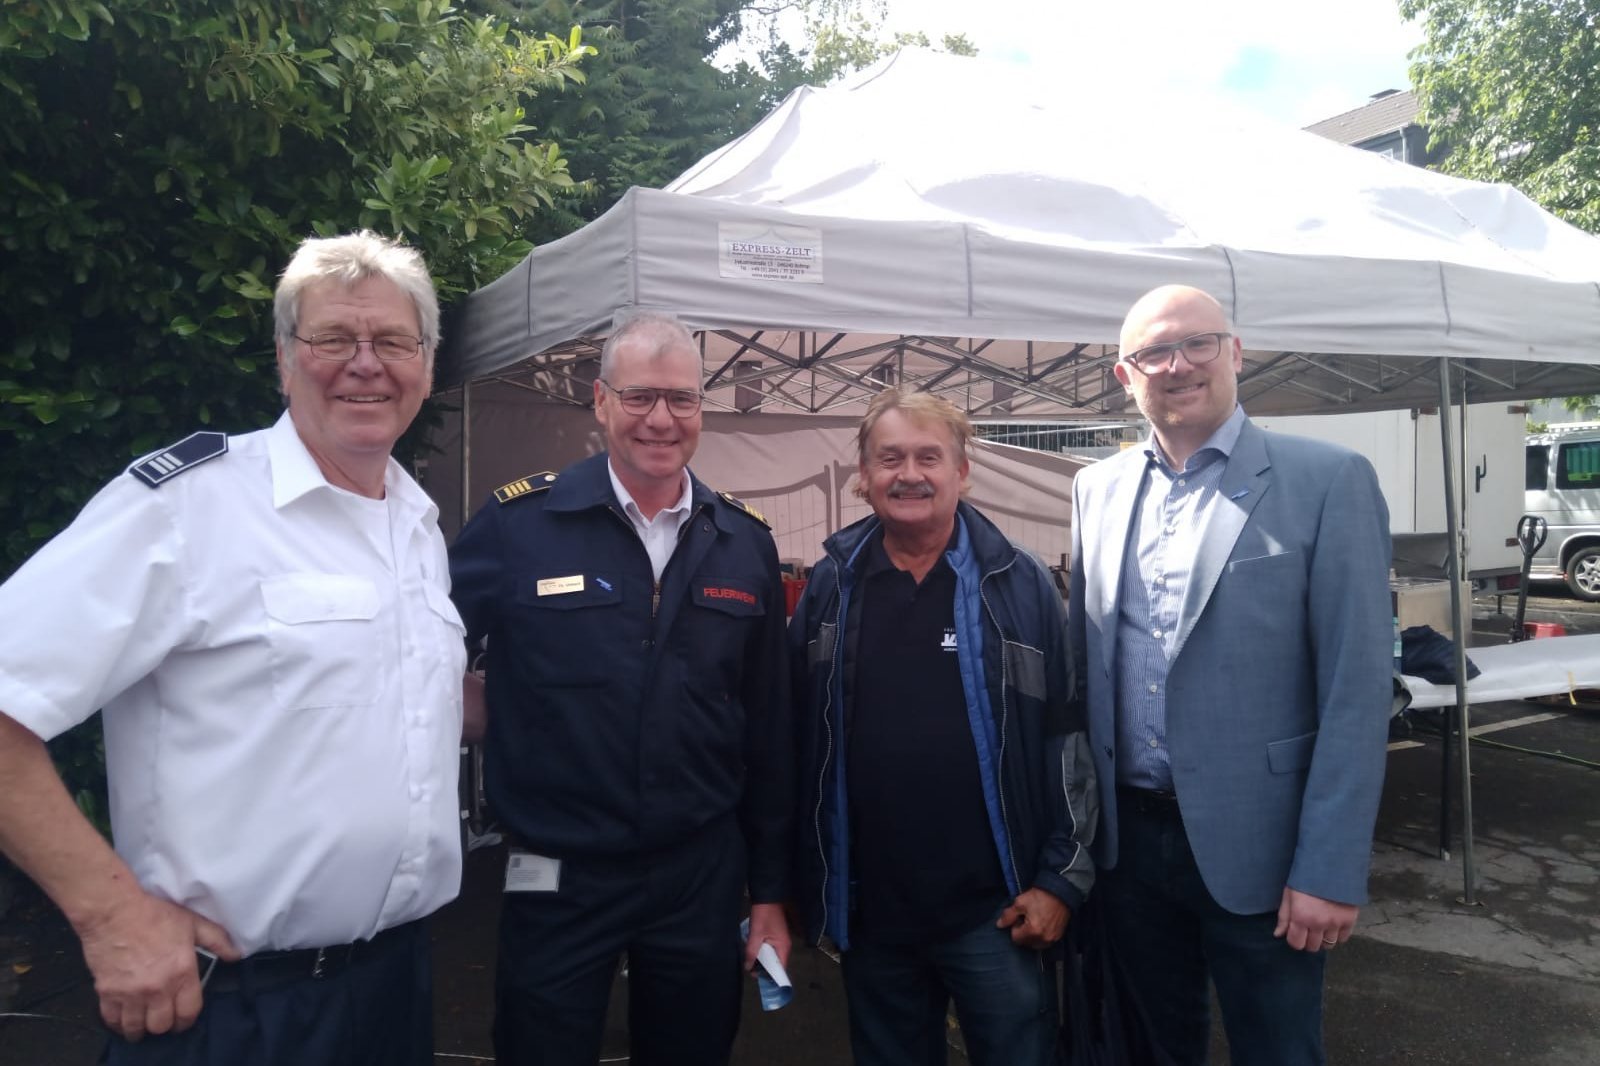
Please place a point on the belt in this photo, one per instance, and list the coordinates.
(1159, 801)
(268, 968)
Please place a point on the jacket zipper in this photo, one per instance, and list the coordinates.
(827, 751)
(655, 588)
(1005, 719)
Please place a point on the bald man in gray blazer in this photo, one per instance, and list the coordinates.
(1231, 623)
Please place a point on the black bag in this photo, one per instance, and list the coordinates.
(1103, 1023)
(1429, 654)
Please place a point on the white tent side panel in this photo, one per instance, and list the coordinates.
(798, 471)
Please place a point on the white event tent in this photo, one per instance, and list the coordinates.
(949, 223)
(955, 225)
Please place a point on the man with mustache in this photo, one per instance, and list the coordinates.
(949, 792)
(639, 732)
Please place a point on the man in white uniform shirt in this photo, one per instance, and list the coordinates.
(265, 620)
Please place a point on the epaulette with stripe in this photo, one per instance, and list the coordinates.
(187, 454)
(740, 505)
(523, 486)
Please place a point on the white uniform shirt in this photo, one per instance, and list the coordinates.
(660, 534)
(280, 667)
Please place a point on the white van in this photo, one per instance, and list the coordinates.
(1564, 489)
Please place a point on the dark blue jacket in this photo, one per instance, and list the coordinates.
(624, 717)
(1037, 776)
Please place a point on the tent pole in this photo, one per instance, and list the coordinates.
(1462, 623)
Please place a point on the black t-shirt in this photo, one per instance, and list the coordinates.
(925, 861)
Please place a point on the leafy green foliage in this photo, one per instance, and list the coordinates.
(1585, 407)
(838, 43)
(160, 160)
(657, 98)
(1512, 88)
(652, 102)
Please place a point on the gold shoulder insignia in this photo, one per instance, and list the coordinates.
(524, 485)
(740, 505)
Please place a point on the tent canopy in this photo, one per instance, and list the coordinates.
(946, 223)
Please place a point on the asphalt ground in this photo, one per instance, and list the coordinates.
(1513, 977)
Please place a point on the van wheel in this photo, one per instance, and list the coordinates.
(1583, 573)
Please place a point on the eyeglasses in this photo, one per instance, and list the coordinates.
(641, 400)
(341, 347)
(1161, 358)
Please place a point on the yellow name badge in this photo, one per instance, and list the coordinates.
(555, 586)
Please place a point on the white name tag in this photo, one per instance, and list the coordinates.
(527, 872)
(555, 586)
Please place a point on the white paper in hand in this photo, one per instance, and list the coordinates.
(772, 980)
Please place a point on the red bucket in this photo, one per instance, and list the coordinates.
(792, 588)
(1543, 629)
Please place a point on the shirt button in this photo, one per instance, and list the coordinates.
(1156, 633)
(1182, 482)
(1155, 688)
(1161, 582)
(1154, 743)
(645, 643)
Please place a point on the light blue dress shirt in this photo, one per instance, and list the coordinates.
(1157, 561)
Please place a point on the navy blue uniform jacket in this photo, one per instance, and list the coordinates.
(624, 718)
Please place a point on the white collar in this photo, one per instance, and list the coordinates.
(295, 473)
(631, 508)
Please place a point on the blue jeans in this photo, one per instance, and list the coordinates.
(1168, 935)
(1004, 997)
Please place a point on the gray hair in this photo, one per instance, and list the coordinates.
(658, 328)
(919, 407)
(349, 260)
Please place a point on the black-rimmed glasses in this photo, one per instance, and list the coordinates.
(641, 400)
(1199, 349)
(341, 347)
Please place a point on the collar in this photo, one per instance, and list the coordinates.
(1222, 441)
(630, 507)
(586, 484)
(876, 557)
(976, 540)
(295, 473)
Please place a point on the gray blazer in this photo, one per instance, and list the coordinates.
(1278, 693)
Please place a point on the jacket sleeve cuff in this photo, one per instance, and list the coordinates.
(1060, 888)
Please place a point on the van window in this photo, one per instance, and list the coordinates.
(1538, 466)
(1579, 467)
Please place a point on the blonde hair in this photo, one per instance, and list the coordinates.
(919, 407)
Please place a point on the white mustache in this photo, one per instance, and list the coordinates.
(901, 491)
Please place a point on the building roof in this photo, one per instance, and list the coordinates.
(1391, 111)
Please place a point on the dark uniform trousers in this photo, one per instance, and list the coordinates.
(375, 1011)
(674, 913)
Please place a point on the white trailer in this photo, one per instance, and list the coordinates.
(1404, 448)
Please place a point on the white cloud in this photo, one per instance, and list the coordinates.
(1291, 61)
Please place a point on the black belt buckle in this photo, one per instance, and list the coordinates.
(1149, 800)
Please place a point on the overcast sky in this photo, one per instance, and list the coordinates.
(1295, 61)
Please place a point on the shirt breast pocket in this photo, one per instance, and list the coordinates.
(323, 639)
(726, 612)
(564, 629)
